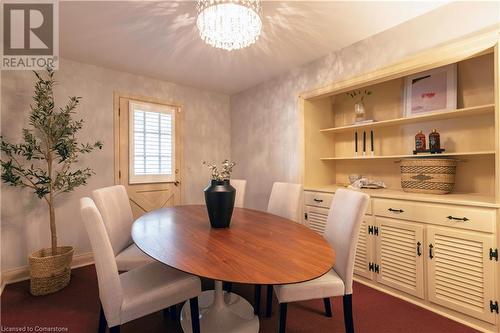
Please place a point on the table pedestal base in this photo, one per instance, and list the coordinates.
(221, 312)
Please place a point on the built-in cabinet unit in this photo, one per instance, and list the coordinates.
(436, 251)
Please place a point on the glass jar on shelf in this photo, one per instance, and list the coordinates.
(434, 141)
(420, 141)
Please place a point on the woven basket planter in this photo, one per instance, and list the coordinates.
(428, 175)
(50, 273)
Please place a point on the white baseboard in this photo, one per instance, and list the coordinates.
(22, 273)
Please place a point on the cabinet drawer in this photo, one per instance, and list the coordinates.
(320, 199)
(479, 219)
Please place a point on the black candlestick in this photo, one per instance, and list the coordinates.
(364, 143)
(356, 143)
(371, 141)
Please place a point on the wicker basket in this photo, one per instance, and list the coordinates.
(428, 175)
(50, 273)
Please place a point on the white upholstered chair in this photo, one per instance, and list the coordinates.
(140, 291)
(114, 205)
(285, 200)
(240, 186)
(342, 230)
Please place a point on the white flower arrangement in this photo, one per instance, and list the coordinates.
(222, 174)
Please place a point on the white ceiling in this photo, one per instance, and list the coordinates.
(159, 39)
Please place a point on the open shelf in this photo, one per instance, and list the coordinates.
(467, 133)
(475, 199)
(475, 153)
(465, 112)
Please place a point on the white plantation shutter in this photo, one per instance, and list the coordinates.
(152, 143)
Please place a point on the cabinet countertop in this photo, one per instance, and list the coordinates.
(465, 199)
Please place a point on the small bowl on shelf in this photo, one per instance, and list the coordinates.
(354, 177)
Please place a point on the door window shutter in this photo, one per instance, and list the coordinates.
(152, 143)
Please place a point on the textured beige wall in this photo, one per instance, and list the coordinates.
(265, 119)
(24, 219)
(260, 131)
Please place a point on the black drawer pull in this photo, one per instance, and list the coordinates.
(418, 249)
(398, 211)
(318, 200)
(431, 253)
(464, 219)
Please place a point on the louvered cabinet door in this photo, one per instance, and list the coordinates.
(316, 218)
(364, 250)
(460, 273)
(400, 255)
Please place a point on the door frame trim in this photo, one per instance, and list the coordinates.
(116, 132)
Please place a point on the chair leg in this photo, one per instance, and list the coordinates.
(348, 321)
(282, 323)
(173, 312)
(195, 315)
(102, 320)
(256, 300)
(328, 306)
(228, 286)
(114, 329)
(269, 301)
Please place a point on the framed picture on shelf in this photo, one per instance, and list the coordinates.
(431, 91)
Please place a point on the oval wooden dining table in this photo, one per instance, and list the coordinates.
(258, 248)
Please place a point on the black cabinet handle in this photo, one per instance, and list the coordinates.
(318, 200)
(431, 252)
(464, 219)
(398, 211)
(418, 249)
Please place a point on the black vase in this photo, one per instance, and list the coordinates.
(219, 197)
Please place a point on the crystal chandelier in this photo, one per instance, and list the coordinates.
(229, 24)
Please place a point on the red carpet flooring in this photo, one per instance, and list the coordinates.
(76, 309)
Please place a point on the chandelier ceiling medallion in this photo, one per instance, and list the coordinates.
(229, 24)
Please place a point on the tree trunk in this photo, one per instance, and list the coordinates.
(53, 232)
(50, 201)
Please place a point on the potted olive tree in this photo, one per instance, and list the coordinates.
(44, 163)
